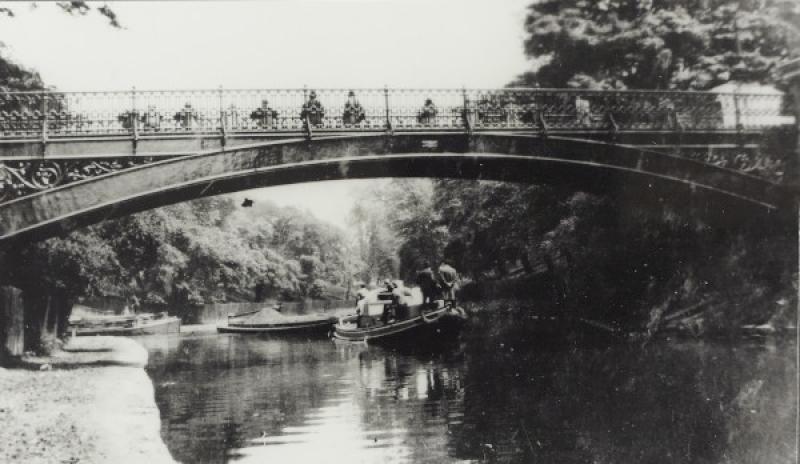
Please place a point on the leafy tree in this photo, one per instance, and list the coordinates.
(74, 8)
(15, 77)
(375, 241)
(417, 224)
(52, 275)
(640, 44)
(189, 254)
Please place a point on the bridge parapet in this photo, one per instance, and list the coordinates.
(35, 115)
(49, 138)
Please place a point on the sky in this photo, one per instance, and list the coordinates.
(275, 44)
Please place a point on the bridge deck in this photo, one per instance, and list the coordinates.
(49, 138)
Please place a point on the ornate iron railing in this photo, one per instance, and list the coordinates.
(40, 115)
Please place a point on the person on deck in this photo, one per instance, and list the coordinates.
(361, 293)
(388, 310)
(361, 299)
(447, 280)
(135, 304)
(426, 280)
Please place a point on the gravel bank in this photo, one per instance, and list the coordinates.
(91, 404)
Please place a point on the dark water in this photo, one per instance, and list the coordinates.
(247, 399)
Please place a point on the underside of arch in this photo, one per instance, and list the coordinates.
(634, 177)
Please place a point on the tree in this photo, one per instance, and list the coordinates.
(15, 77)
(52, 275)
(417, 224)
(665, 44)
(74, 8)
(375, 241)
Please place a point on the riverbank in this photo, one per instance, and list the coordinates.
(90, 403)
(521, 320)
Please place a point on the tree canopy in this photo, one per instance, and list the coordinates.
(15, 77)
(74, 8)
(202, 251)
(662, 44)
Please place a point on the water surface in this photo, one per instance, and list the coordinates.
(233, 398)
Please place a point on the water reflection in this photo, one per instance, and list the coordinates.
(232, 398)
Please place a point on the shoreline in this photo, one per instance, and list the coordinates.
(93, 402)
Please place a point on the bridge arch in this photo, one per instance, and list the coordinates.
(628, 172)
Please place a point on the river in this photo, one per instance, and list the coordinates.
(232, 398)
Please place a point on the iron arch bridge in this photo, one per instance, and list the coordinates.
(71, 159)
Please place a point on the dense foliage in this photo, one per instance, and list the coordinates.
(640, 44)
(206, 250)
(586, 253)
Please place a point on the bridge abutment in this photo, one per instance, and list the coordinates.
(46, 318)
(33, 313)
(12, 322)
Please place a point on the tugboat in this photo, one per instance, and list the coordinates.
(388, 320)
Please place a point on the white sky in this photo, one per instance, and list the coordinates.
(277, 43)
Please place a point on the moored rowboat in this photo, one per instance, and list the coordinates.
(140, 324)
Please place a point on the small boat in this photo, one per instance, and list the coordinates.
(137, 324)
(388, 322)
(272, 321)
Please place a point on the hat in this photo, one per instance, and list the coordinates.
(351, 94)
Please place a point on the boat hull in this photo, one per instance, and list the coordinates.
(433, 327)
(157, 327)
(321, 327)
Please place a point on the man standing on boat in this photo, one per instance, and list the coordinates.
(361, 299)
(426, 280)
(362, 293)
(447, 280)
(135, 305)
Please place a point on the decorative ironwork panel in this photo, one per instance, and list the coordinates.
(44, 117)
(38, 115)
(20, 178)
